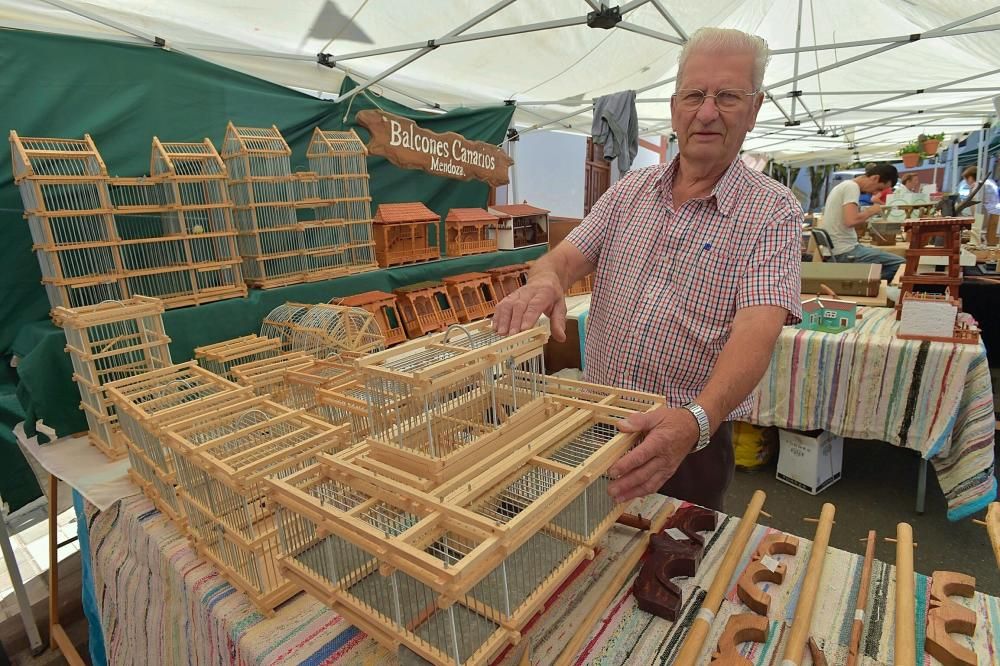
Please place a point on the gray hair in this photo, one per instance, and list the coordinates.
(728, 40)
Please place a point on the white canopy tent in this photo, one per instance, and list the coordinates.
(849, 76)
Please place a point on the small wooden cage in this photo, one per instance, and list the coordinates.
(323, 330)
(472, 295)
(433, 399)
(425, 307)
(470, 231)
(220, 357)
(405, 233)
(383, 307)
(108, 342)
(267, 376)
(305, 383)
(222, 460)
(148, 402)
(347, 403)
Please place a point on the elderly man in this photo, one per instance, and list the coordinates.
(697, 269)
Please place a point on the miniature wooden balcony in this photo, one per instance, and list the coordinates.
(148, 402)
(471, 567)
(584, 285)
(521, 225)
(222, 459)
(405, 233)
(473, 296)
(108, 342)
(382, 305)
(508, 279)
(470, 231)
(222, 356)
(425, 307)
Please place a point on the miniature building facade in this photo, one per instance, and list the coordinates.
(109, 342)
(829, 315)
(521, 225)
(472, 295)
(508, 279)
(405, 233)
(470, 231)
(933, 237)
(383, 307)
(425, 307)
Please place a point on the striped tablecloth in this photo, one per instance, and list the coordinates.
(161, 604)
(932, 397)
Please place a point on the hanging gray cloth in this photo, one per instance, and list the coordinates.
(616, 126)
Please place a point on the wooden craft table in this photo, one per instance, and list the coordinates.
(170, 607)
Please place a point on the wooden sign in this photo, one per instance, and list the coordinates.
(409, 146)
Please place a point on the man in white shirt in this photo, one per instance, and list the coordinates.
(991, 202)
(842, 215)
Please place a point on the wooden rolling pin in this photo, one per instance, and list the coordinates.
(905, 651)
(798, 637)
(695, 638)
(859, 607)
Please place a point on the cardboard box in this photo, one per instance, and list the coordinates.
(844, 279)
(810, 461)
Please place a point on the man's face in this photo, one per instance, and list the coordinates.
(970, 181)
(873, 184)
(707, 134)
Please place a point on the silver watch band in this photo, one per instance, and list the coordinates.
(704, 434)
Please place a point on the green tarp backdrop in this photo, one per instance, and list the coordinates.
(123, 95)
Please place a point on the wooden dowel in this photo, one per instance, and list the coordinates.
(799, 634)
(695, 638)
(905, 651)
(629, 560)
(993, 528)
(859, 607)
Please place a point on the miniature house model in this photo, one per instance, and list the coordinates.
(383, 307)
(829, 315)
(470, 231)
(425, 307)
(935, 317)
(521, 225)
(405, 233)
(472, 295)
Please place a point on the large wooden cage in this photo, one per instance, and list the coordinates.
(107, 342)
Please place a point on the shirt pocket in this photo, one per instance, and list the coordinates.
(706, 280)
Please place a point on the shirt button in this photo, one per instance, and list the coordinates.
(650, 294)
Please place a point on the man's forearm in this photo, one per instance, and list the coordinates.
(742, 362)
(565, 262)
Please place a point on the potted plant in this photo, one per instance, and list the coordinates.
(930, 142)
(910, 154)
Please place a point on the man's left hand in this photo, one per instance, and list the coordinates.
(669, 435)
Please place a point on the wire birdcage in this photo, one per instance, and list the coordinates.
(323, 330)
(108, 342)
(267, 376)
(433, 398)
(339, 160)
(222, 460)
(148, 402)
(305, 383)
(346, 403)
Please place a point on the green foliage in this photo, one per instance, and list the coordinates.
(912, 147)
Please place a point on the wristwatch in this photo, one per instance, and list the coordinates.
(704, 434)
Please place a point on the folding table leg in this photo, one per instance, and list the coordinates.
(921, 485)
(24, 606)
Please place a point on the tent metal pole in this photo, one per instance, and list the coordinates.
(827, 93)
(670, 19)
(655, 34)
(73, 9)
(795, 69)
(535, 128)
(475, 20)
(954, 167)
(514, 172)
(900, 39)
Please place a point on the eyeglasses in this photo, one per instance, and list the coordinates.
(691, 99)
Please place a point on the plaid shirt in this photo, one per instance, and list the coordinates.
(668, 282)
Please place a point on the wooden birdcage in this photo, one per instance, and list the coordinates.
(433, 400)
(149, 402)
(220, 357)
(472, 295)
(508, 279)
(267, 376)
(470, 231)
(521, 225)
(339, 160)
(305, 383)
(425, 307)
(64, 190)
(346, 403)
(108, 342)
(323, 330)
(383, 307)
(222, 460)
(455, 577)
(405, 233)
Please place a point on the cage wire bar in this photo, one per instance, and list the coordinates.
(106, 342)
(222, 459)
(147, 403)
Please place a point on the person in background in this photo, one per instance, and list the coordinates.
(842, 215)
(698, 267)
(908, 182)
(988, 195)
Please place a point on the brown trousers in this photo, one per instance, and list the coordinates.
(704, 476)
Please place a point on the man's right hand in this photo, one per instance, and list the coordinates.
(521, 310)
